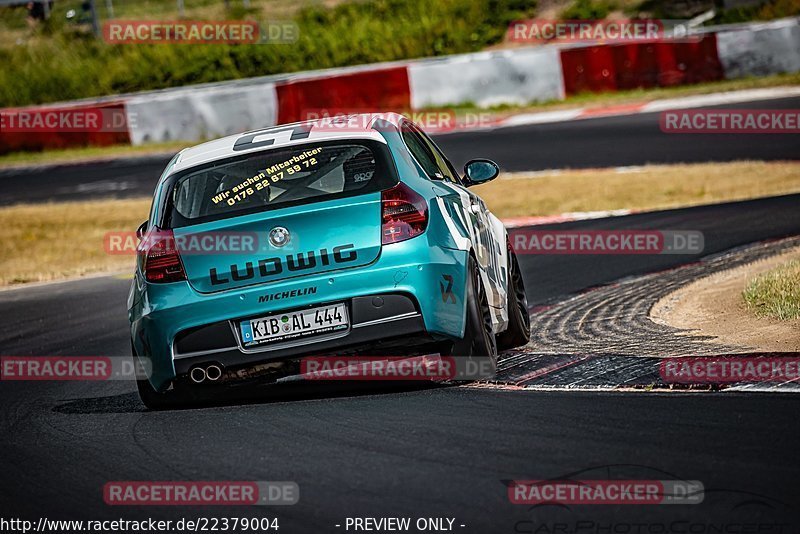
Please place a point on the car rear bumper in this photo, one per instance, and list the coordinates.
(422, 285)
(377, 321)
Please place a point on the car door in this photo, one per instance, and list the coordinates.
(488, 241)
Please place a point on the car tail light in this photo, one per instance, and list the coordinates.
(159, 257)
(405, 214)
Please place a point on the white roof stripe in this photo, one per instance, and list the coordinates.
(340, 128)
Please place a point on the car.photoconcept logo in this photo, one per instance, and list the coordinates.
(279, 236)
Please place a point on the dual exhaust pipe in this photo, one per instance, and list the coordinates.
(200, 374)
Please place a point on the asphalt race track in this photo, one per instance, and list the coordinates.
(419, 451)
(596, 142)
(441, 452)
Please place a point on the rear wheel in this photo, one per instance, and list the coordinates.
(479, 340)
(518, 332)
(157, 400)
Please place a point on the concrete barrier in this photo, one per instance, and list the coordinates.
(109, 126)
(487, 78)
(760, 50)
(378, 89)
(202, 113)
(517, 76)
(663, 63)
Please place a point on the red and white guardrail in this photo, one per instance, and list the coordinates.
(515, 76)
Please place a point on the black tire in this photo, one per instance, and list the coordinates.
(157, 400)
(518, 332)
(479, 340)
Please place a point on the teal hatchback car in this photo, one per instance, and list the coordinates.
(354, 235)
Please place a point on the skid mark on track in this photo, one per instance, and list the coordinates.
(604, 338)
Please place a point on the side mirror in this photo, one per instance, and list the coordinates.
(479, 171)
(141, 230)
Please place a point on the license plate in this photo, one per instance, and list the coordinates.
(294, 325)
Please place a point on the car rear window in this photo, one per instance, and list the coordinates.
(279, 178)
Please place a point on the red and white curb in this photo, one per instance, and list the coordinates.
(519, 222)
(654, 106)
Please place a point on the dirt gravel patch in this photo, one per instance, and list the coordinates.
(712, 307)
